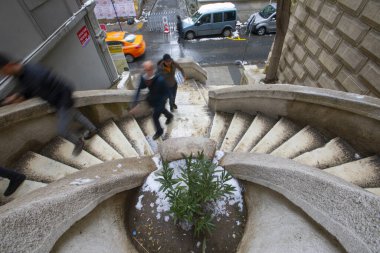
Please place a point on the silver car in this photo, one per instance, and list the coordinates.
(263, 21)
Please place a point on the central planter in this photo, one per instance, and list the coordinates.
(153, 228)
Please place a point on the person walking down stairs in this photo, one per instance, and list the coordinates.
(35, 80)
(157, 96)
(167, 68)
(16, 179)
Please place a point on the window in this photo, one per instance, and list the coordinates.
(229, 16)
(114, 43)
(267, 11)
(218, 17)
(205, 19)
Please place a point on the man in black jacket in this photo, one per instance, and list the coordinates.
(157, 96)
(37, 81)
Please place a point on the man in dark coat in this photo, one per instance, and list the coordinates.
(157, 96)
(37, 81)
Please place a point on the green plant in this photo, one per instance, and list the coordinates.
(193, 193)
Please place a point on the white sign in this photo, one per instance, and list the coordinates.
(105, 10)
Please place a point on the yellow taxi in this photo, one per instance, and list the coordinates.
(133, 44)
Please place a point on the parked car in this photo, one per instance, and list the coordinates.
(263, 21)
(210, 19)
(133, 44)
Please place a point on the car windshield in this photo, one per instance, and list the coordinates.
(267, 11)
(129, 38)
(195, 16)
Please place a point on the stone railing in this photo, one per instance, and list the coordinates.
(31, 124)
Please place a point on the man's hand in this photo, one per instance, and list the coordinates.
(133, 111)
(13, 99)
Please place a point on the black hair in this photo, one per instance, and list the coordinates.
(166, 57)
(4, 60)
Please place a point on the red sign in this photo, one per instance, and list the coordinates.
(83, 36)
(103, 27)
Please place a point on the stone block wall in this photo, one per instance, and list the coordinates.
(333, 44)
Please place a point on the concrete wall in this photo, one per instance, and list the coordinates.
(32, 31)
(82, 66)
(334, 44)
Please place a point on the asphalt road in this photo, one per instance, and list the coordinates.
(207, 51)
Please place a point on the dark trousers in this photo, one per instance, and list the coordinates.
(157, 111)
(10, 174)
(172, 95)
(68, 115)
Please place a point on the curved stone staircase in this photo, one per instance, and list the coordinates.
(237, 133)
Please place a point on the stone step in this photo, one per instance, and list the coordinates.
(334, 153)
(136, 137)
(42, 169)
(305, 140)
(147, 127)
(280, 132)
(375, 191)
(61, 150)
(101, 149)
(111, 133)
(203, 91)
(26, 187)
(219, 127)
(189, 120)
(239, 125)
(364, 172)
(256, 131)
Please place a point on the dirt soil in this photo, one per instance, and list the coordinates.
(151, 231)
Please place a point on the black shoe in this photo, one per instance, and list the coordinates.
(14, 184)
(169, 120)
(89, 134)
(157, 135)
(78, 148)
(175, 106)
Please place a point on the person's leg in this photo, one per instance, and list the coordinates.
(15, 178)
(85, 122)
(175, 95)
(171, 98)
(65, 117)
(156, 116)
(169, 116)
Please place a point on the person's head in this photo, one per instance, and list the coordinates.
(178, 18)
(167, 59)
(8, 67)
(149, 70)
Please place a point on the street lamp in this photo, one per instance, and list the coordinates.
(117, 17)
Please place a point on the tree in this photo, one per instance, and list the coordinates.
(282, 22)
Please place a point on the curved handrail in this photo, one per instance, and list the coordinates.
(354, 117)
(348, 212)
(34, 222)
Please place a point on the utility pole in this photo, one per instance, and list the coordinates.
(117, 17)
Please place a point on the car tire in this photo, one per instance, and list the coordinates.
(129, 58)
(261, 31)
(190, 35)
(227, 32)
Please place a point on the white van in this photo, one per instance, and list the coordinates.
(218, 18)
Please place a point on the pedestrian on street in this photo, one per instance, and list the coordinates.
(16, 179)
(37, 81)
(157, 96)
(179, 29)
(167, 68)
